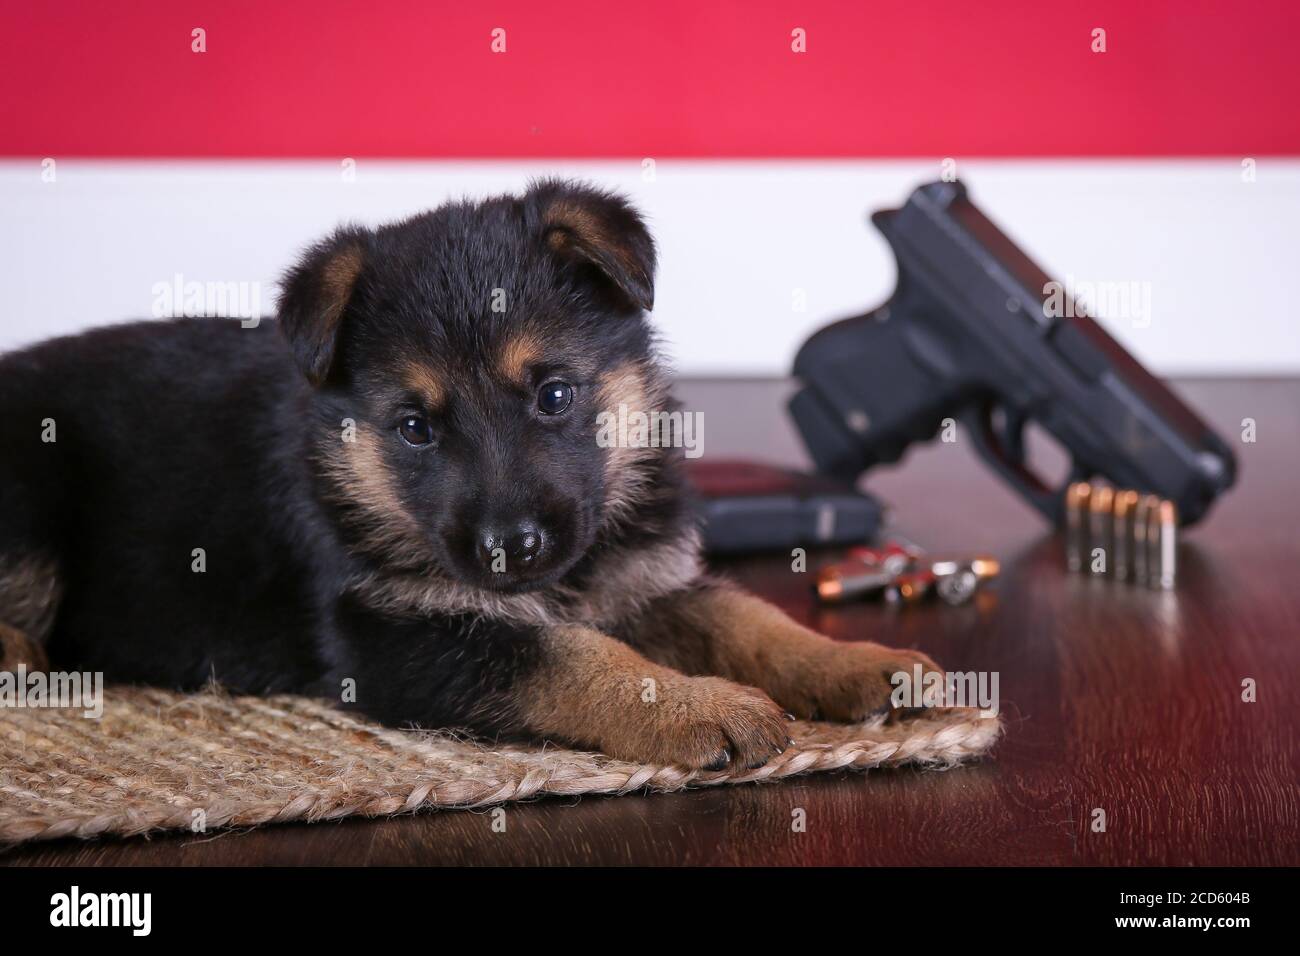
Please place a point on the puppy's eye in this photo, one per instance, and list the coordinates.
(415, 431)
(554, 398)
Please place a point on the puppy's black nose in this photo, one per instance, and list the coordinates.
(507, 550)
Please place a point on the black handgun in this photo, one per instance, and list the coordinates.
(976, 332)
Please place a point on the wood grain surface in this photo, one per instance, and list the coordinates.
(1116, 698)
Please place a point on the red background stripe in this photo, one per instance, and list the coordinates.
(591, 78)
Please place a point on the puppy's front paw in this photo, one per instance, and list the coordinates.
(704, 723)
(848, 682)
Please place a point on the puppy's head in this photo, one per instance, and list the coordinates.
(460, 360)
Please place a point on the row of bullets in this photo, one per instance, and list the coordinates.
(1121, 534)
(903, 574)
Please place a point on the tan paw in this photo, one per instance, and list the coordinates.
(704, 723)
(847, 682)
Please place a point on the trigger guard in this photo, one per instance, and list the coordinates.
(989, 443)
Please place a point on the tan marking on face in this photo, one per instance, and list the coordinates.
(519, 352)
(629, 385)
(625, 384)
(359, 477)
(425, 381)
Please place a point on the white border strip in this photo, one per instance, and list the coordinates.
(755, 255)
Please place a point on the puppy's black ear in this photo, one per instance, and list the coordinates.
(588, 225)
(315, 294)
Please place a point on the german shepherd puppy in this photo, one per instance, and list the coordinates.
(393, 497)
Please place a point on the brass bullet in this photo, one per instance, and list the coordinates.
(1162, 540)
(1136, 533)
(984, 566)
(1100, 527)
(892, 556)
(846, 580)
(1125, 505)
(1142, 567)
(1077, 498)
(910, 587)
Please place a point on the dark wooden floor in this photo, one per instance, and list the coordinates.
(1115, 698)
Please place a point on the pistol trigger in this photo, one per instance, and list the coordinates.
(1012, 434)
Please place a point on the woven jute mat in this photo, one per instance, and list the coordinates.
(162, 761)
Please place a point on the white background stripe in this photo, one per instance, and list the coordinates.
(737, 239)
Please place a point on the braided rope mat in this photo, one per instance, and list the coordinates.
(157, 760)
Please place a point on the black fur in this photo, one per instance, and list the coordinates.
(201, 434)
